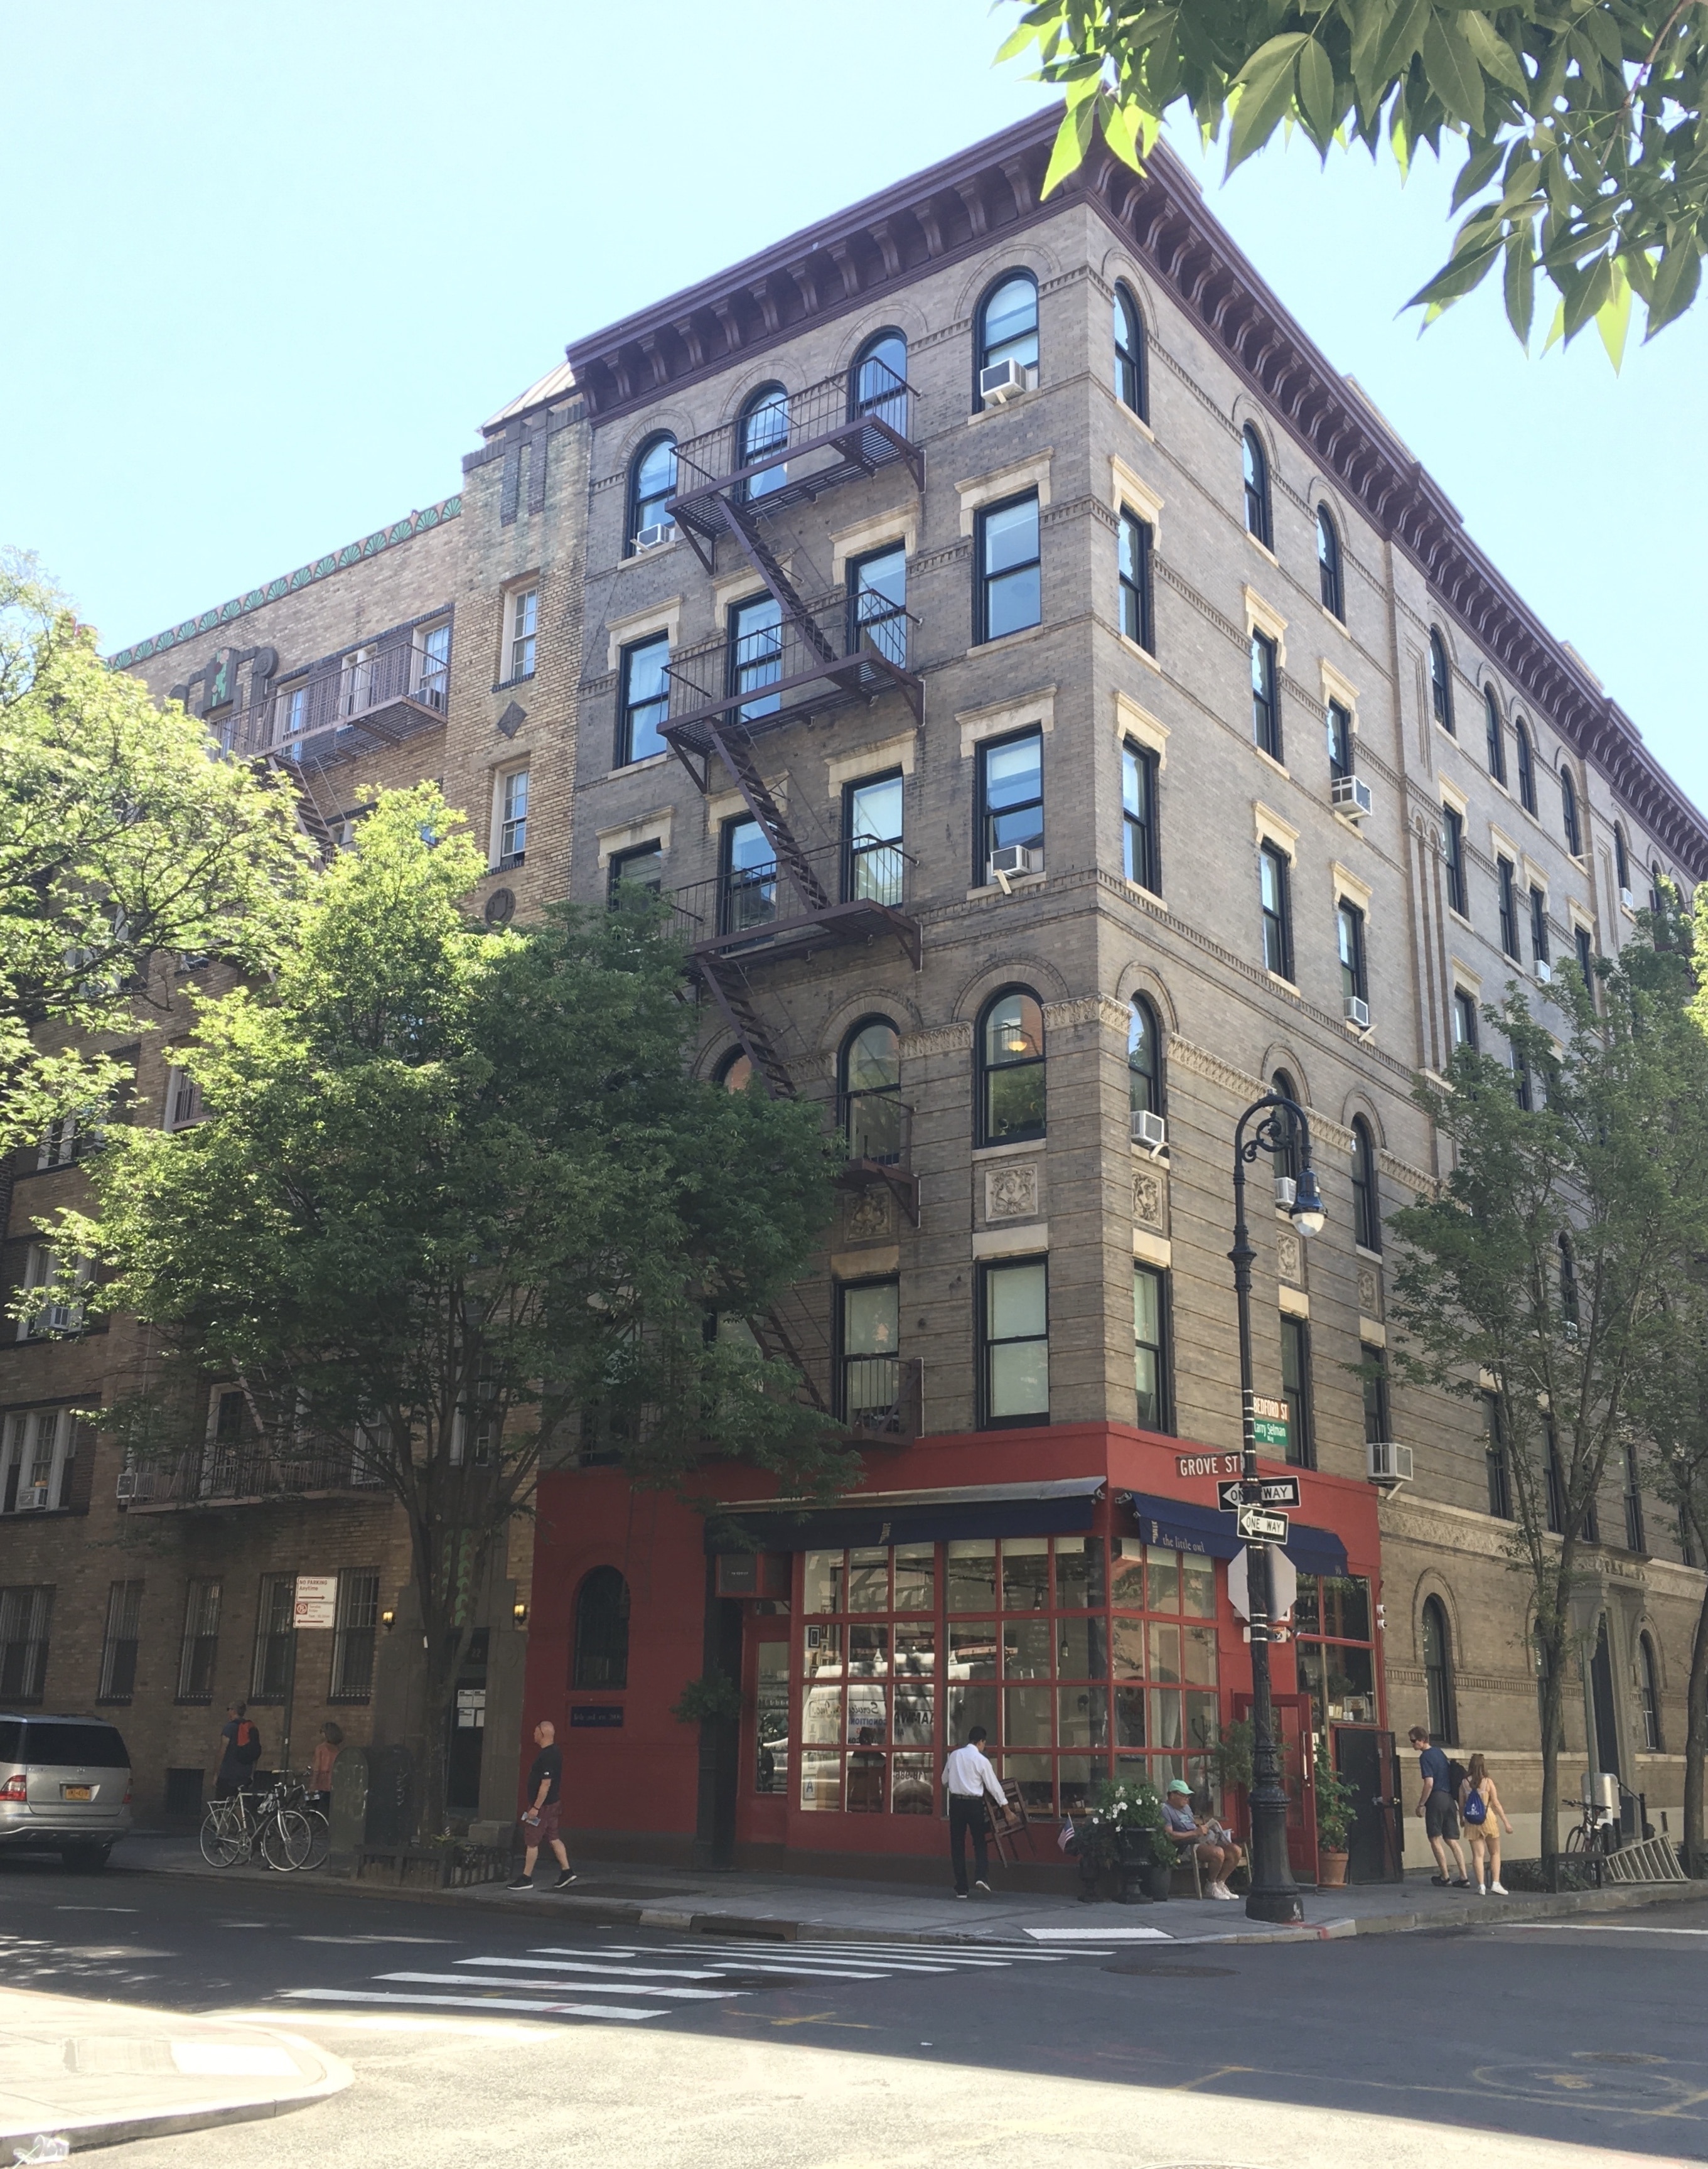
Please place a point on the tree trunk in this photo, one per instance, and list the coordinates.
(1553, 1687)
(1696, 1741)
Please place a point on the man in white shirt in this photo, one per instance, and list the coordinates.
(971, 1780)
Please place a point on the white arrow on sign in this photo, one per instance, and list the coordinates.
(1284, 1583)
(1258, 1526)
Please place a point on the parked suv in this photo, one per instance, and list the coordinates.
(65, 1787)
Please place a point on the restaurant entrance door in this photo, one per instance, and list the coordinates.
(1292, 1740)
(760, 1817)
(1367, 1760)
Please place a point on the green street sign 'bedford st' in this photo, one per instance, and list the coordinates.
(1270, 1422)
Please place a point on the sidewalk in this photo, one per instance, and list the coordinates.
(799, 1908)
(97, 2073)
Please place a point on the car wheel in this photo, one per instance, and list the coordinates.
(84, 1859)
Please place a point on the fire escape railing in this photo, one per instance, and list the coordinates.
(355, 701)
(837, 893)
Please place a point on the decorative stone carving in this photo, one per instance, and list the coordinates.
(1289, 1257)
(1369, 1292)
(1087, 1009)
(869, 1217)
(1151, 1199)
(1011, 1190)
(941, 1039)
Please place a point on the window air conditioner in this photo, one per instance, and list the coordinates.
(1356, 1011)
(1627, 899)
(126, 1487)
(31, 1495)
(1149, 1130)
(1350, 796)
(1544, 972)
(653, 537)
(1008, 860)
(1286, 1190)
(1388, 1463)
(1003, 381)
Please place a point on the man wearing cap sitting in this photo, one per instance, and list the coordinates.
(1218, 1851)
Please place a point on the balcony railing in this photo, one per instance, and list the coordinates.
(782, 673)
(879, 1128)
(841, 892)
(213, 1475)
(797, 444)
(358, 700)
(881, 1398)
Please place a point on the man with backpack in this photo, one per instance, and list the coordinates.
(241, 1753)
(1437, 1804)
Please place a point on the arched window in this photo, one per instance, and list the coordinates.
(1256, 487)
(1438, 1674)
(1010, 1049)
(1657, 895)
(735, 1072)
(1287, 1160)
(1496, 735)
(1131, 388)
(1649, 1687)
(1328, 564)
(870, 1082)
(878, 382)
(1145, 1059)
(1440, 681)
(602, 1630)
(1008, 324)
(651, 485)
(763, 431)
(1527, 767)
(1622, 858)
(1568, 813)
(1366, 1186)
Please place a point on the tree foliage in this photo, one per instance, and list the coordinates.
(1585, 159)
(1544, 1269)
(122, 837)
(458, 1208)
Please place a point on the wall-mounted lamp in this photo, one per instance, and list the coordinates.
(518, 1612)
(388, 1620)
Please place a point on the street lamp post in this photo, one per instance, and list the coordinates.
(1282, 1127)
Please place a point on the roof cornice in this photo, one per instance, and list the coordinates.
(953, 209)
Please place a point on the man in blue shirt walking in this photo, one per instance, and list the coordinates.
(1439, 1809)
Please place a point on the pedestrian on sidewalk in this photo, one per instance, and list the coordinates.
(972, 1782)
(1437, 1805)
(540, 1817)
(1219, 1854)
(320, 1775)
(239, 1755)
(1481, 1813)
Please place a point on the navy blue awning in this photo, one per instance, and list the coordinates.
(1210, 1532)
(913, 1517)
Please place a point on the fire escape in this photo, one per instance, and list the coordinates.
(800, 659)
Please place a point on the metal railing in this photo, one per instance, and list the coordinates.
(391, 689)
(752, 903)
(879, 1128)
(797, 443)
(214, 1474)
(879, 1396)
(839, 651)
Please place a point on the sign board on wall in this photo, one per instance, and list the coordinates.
(595, 1716)
(316, 1600)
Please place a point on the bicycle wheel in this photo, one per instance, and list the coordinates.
(320, 1838)
(223, 1845)
(287, 1840)
(1574, 1838)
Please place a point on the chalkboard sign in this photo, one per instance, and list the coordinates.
(596, 1717)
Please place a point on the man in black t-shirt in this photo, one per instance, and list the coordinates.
(539, 1816)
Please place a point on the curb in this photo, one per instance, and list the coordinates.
(617, 1913)
(119, 2130)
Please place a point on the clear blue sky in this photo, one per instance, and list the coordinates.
(269, 269)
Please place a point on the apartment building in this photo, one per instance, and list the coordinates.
(444, 646)
(1062, 712)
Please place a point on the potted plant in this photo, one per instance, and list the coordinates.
(1336, 1812)
(1125, 1829)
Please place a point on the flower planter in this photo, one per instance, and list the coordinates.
(1331, 1869)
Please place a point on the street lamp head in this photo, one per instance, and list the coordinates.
(1309, 1213)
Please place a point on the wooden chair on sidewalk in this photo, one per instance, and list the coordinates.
(1019, 1825)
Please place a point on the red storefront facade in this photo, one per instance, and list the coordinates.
(1066, 1588)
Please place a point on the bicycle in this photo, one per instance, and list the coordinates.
(1595, 1833)
(275, 1823)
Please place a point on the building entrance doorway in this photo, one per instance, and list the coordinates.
(1366, 1760)
(763, 1798)
(1293, 1722)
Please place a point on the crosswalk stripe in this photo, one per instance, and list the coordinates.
(810, 1954)
(894, 1953)
(595, 1962)
(578, 1987)
(471, 2002)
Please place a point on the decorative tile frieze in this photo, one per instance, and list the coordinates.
(1011, 1190)
(1151, 1199)
(938, 1039)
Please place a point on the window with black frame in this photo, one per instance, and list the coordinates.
(1266, 697)
(1453, 852)
(1348, 923)
(877, 602)
(1568, 813)
(1007, 323)
(1278, 933)
(1142, 856)
(763, 432)
(639, 869)
(1011, 797)
(1465, 1021)
(602, 1630)
(1499, 1467)
(1144, 1059)
(1527, 767)
(643, 701)
(1328, 564)
(878, 382)
(869, 1332)
(1286, 1160)
(1366, 1187)
(1373, 1366)
(872, 1086)
(1151, 1347)
(1506, 877)
(748, 879)
(756, 653)
(651, 485)
(1014, 1342)
(1010, 1050)
(1340, 761)
(1332, 1618)
(1010, 574)
(1135, 561)
(1438, 1674)
(871, 828)
(1440, 682)
(1130, 386)
(1296, 1390)
(1539, 924)
(1496, 736)
(1256, 465)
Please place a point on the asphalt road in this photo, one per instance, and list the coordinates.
(523, 2037)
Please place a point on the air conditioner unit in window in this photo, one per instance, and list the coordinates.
(1544, 973)
(32, 1496)
(1286, 1190)
(1008, 860)
(1002, 381)
(1386, 1463)
(127, 1486)
(1356, 1011)
(1627, 899)
(1149, 1130)
(655, 536)
(1351, 795)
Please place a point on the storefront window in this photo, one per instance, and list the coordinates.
(1337, 1658)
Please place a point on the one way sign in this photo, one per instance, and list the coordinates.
(1268, 1491)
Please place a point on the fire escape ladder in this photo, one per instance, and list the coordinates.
(789, 1334)
(736, 748)
(727, 984)
(764, 560)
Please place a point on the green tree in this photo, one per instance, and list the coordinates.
(1546, 1260)
(458, 1206)
(122, 839)
(1585, 156)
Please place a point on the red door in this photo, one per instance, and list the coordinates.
(1292, 1739)
(763, 1795)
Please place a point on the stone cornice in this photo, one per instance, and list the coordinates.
(955, 208)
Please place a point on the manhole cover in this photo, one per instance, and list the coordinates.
(1164, 1970)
